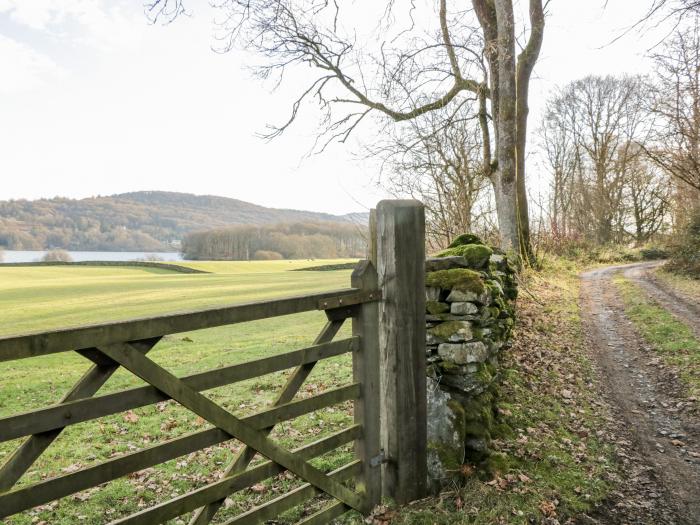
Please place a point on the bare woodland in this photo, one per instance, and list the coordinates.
(443, 167)
(604, 187)
(445, 86)
(401, 70)
(324, 240)
(622, 152)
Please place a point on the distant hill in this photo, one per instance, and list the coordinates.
(139, 221)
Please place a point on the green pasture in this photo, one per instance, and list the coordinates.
(40, 298)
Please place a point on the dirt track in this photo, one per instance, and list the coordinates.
(656, 429)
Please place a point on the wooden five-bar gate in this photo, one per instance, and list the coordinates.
(386, 308)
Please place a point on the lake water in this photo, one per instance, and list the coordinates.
(17, 256)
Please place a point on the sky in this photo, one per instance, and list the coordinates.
(95, 100)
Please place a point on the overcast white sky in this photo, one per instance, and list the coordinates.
(95, 101)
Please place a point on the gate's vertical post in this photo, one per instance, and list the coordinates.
(401, 272)
(365, 366)
(372, 243)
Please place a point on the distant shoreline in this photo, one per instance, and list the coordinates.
(30, 256)
(124, 264)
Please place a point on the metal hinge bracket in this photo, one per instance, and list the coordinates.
(377, 460)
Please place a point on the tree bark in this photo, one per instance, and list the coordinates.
(525, 65)
(509, 110)
(506, 177)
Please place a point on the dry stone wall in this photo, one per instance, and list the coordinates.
(470, 298)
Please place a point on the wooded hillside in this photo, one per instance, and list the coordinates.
(139, 221)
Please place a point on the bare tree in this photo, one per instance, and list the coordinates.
(603, 187)
(403, 75)
(562, 158)
(57, 255)
(438, 160)
(676, 107)
(661, 13)
(647, 199)
(604, 116)
(671, 9)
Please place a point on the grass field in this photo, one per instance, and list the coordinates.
(553, 462)
(40, 298)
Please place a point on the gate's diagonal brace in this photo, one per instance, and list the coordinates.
(164, 381)
(34, 446)
(204, 515)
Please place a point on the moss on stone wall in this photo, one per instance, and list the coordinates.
(456, 279)
(452, 329)
(469, 285)
(465, 238)
(477, 255)
(436, 307)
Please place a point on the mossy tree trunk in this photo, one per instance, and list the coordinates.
(509, 82)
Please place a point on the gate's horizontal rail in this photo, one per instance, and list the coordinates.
(325, 516)
(40, 493)
(36, 344)
(297, 496)
(58, 416)
(225, 487)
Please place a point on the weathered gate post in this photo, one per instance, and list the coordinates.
(400, 226)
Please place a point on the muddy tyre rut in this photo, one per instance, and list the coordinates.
(655, 429)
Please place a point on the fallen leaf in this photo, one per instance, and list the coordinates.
(258, 488)
(130, 417)
(168, 425)
(548, 508)
(523, 478)
(467, 470)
